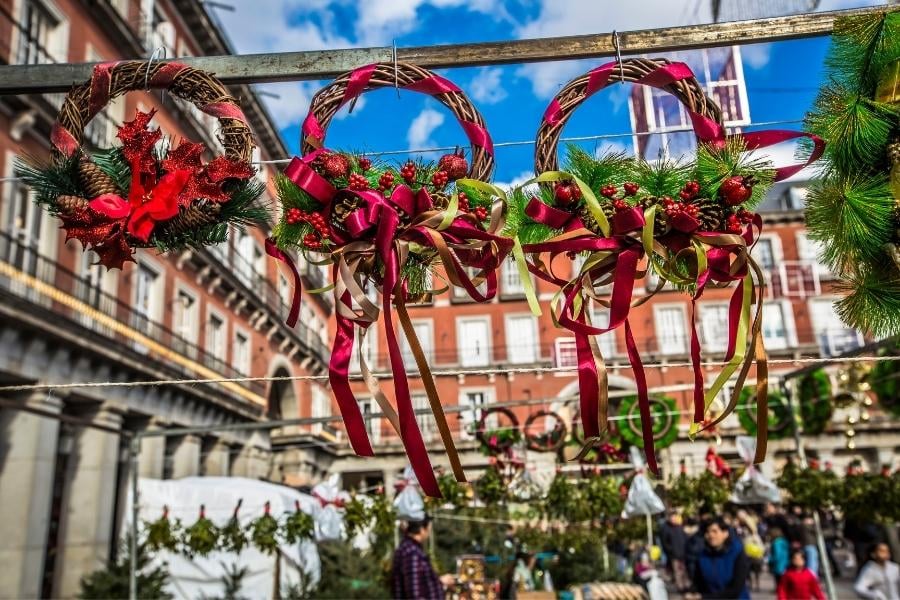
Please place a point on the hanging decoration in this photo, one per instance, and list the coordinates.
(232, 537)
(264, 531)
(854, 209)
(502, 435)
(408, 503)
(329, 515)
(884, 379)
(853, 396)
(664, 414)
(491, 488)
(810, 488)
(147, 193)
(202, 537)
(689, 224)
(752, 487)
(541, 438)
(383, 230)
(642, 499)
(163, 533)
(779, 421)
(816, 407)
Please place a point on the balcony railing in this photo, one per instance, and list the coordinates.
(26, 259)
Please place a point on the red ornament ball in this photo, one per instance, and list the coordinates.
(336, 165)
(734, 224)
(455, 165)
(736, 190)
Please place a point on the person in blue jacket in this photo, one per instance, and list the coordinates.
(722, 567)
(779, 554)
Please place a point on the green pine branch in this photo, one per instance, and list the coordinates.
(872, 302)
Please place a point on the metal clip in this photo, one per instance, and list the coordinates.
(396, 74)
(618, 49)
(160, 50)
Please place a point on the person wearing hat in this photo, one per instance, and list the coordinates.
(412, 575)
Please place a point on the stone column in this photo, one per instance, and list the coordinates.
(152, 458)
(88, 509)
(251, 462)
(186, 457)
(217, 462)
(27, 466)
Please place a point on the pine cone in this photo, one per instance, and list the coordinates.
(712, 215)
(660, 224)
(893, 152)
(587, 218)
(440, 200)
(69, 204)
(195, 216)
(343, 205)
(95, 181)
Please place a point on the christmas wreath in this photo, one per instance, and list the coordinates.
(885, 380)
(147, 192)
(691, 224)
(502, 438)
(609, 451)
(779, 421)
(664, 413)
(854, 209)
(384, 229)
(548, 440)
(815, 402)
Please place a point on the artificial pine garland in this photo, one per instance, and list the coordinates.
(356, 516)
(491, 488)
(854, 208)
(264, 531)
(298, 526)
(163, 533)
(232, 537)
(202, 537)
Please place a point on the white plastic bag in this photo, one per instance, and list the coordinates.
(642, 500)
(752, 487)
(409, 503)
(329, 515)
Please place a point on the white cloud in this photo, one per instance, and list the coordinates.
(607, 147)
(292, 103)
(345, 112)
(421, 128)
(487, 86)
(379, 22)
(756, 56)
(515, 181)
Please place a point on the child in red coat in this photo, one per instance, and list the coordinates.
(798, 582)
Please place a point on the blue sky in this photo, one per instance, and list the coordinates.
(781, 78)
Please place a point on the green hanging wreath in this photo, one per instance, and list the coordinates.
(885, 381)
(780, 424)
(815, 402)
(664, 411)
(499, 440)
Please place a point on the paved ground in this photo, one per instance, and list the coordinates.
(843, 589)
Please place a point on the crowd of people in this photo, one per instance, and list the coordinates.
(725, 556)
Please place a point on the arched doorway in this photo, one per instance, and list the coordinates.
(283, 402)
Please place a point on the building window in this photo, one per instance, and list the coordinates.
(215, 336)
(566, 352)
(425, 419)
(473, 335)
(774, 324)
(146, 297)
(247, 258)
(184, 319)
(321, 407)
(606, 342)
(461, 295)
(834, 338)
(424, 329)
(38, 38)
(764, 253)
(512, 282)
(373, 424)
(811, 251)
(671, 334)
(369, 348)
(714, 326)
(285, 290)
(473, 402)
(240, 353)
(521, 339)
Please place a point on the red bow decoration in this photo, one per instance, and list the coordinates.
(144, 208)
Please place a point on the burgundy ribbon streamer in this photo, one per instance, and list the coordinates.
(275, 252)
(640, 380)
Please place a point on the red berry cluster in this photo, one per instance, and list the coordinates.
(689, 191)
(734, 224)
(408, 172)
(440, 179)
(566, 193)
(629, 188)
(745, 216)
(620, 204)
(312, 239)
(357, 182)
(386, 181)
(673, 208)
(481, 212)
(364, 164)
(608, 191)
(463, 202)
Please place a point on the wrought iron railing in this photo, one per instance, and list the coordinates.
(25, 258)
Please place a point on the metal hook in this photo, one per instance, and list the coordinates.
(396, 75)
(618, 50)
(159, 50)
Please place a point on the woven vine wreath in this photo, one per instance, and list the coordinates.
(546, 440)
(689, 223)
(500, 439)
(384, 229)
(147, 192)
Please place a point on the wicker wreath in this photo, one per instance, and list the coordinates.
(546, 441)
(498, 441)
(779, 414)
(664, 410)
(143, 194)
(633, 70)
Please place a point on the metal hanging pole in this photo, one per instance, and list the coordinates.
(134, 449)
(326, 64)
(793, 400)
